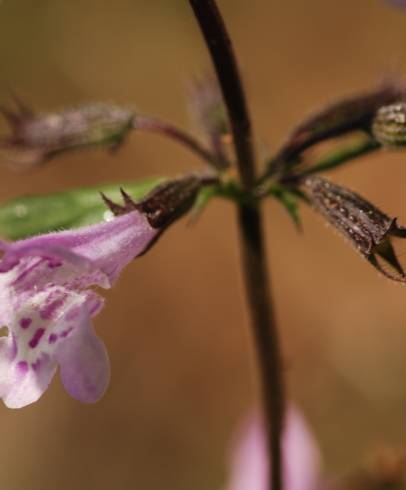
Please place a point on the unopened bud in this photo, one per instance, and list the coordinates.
(351, 114)
(367, 228)
(37, 137)
(389, 125)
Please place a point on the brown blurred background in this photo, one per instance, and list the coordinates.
(176, 325)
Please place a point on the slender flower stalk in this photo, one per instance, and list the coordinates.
(251, 232)
(154, 125)
(35, 138)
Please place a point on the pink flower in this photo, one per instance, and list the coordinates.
(300, 453)
(46, 303)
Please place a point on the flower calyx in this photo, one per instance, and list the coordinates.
(370, 231)
(346, 115)
(166, 203)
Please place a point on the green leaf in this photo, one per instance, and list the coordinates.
(32, 215)
(289, 201)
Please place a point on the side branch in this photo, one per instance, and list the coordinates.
(221, 51)
(154, 125)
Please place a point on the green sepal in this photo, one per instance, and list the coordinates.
(32, 215)
(289, 200)
(205, 195)
(358, 148)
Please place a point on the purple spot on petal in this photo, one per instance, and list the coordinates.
(73, 314)
(36, 337)
(26, 271)
(25, 322)
(66, 332)
(48, 311)
(14, 347)
(52, 338)
(22, 366)
(52, 263)
(36, 365)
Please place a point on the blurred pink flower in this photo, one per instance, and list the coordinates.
(398, 3)
(46, 303)
(300, 452)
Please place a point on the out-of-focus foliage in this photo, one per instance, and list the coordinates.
(36, 138)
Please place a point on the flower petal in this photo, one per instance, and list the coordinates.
(108, 245)
(39, 329)
(7, 355)
(84, 363)
(21, 385)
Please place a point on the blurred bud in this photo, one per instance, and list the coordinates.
(345, 115)
(367, 228)
(208, 110)
(167, 202)
(37, 137)
(389, 125)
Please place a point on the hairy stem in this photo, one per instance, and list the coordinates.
(154, 125)
(251, 232)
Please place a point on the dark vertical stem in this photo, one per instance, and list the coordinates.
(266, 335)
(251, 232)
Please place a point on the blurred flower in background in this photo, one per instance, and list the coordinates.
(398, 3)
(301, 455)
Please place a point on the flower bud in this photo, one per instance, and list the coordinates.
(367, 228)
(389, 125)
(353, 113)
(37, 137)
